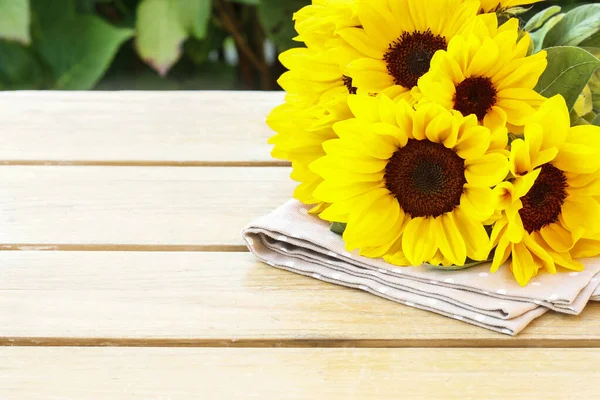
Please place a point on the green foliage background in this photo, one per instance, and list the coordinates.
(150, 44)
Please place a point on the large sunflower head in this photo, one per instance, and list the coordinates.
(412, 185)
(397, 39)
(499, 5)
(550, 209)
(487, 73)
(317, 23)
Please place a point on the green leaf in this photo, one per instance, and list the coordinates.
(596, 120)
(195, 15)
(144, 80)
(250, 2)
(160, 33)
(88, 6)
(211, 76)
(594, 82)
(578, 25)
(580, 121)
(45, 13)
(15, 20)
(19, 68)
(79, 50)
(541, 18)
(163, 25)
(538, 36)
(569, 70)
(199, 50)
(592, 41)
(338, 227)
(276, 19)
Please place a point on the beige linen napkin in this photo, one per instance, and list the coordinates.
(289, 238)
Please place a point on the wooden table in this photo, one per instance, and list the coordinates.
(123, 273)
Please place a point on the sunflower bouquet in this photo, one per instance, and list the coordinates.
(447, 132)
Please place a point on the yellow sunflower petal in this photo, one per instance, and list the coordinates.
(581, 212)
(396, 256)
(441, 92)
(520, 159)
(503, 251)
(586, 248)
(474, 235)
(418, 240)
(477, 202)
(338, 212)
(359, 40)
(385, 249)
(515, 229)
(373, 216)
(566, 261)
(488, 170)
(444, 65)
(581, 152)
(443, 129)
(378, 22)
(473, 142)
(557, 237)
(523, 265)
(517, 111)
(524, 183)
(495, 120)
(450, 240)
(484, 59)
(365, 108)
(369, 80)
(332, 192)
(541, 255)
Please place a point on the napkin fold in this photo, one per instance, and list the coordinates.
(290, 238)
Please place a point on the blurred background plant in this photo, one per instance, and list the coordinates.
(150, 44)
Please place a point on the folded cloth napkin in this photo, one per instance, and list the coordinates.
(290, 238)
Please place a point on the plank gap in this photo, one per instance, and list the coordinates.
(501, 342)
(124, 247)
(143, 163)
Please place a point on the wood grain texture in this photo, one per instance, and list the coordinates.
(274, 374)
(226, 299)
(136, 127)
(46, 206)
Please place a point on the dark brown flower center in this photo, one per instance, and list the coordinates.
(543, 203)
(408, 58)
(426, 178)
(348, 83)
(475, 95)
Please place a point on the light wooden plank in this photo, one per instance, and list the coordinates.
(152, 206)
(139, 127)
(225, 299)
(274, 374)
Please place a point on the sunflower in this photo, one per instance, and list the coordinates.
(487, 73)
(301, 132)
(316, 98)
(411, 185)
(488, 6)
(313, 76)
(317, 23)
(317, 90)
(397, 39)
(551, 209)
